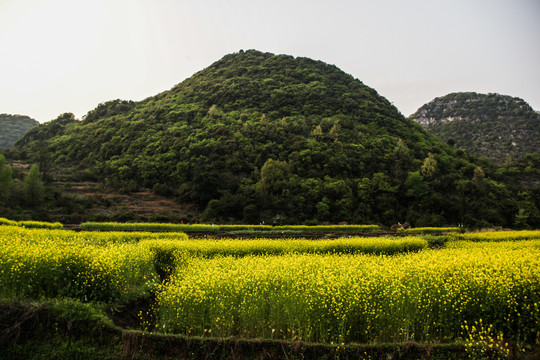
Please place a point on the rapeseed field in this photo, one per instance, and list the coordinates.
(345, 290)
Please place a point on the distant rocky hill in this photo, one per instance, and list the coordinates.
(495, 126)
(13, 127)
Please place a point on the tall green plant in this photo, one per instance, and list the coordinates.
(6, 180)
(33, 187)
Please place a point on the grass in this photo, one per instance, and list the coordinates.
(159, 227)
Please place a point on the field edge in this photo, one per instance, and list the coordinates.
(59, 329)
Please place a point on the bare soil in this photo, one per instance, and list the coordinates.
(107, 202)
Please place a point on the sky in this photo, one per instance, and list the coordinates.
(60, 56)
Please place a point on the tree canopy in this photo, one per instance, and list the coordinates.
(499, 127)
(261, 137)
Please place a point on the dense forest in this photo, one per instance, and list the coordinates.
(13, 127)
(499, 127)
(258, 137)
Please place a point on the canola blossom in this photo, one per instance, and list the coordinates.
(265, 246)
(104, 266)
(424, 296)
(433, 230)
(350, 289)
(58, 263)
(32, 224)
(500, 235)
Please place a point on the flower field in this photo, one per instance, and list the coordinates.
(159, 227)
(105, 266)
(501, 235)
(433, 230)
(32, 224)
(425, 296)
(345, 290)
(56, 263)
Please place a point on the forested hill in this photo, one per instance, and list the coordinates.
(13, 127)
(495, 126)
(262, 137)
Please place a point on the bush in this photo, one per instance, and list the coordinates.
(40, 225)
(32, 224)
(4, 221)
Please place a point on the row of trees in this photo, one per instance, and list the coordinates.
(28, 193)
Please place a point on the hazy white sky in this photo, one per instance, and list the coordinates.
(61, 56)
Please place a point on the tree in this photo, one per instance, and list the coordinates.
(402, 158)
(430, 166)
(415, 187)
(215, 112)
(318, 131)
(377, 199)
(334, 131)
(42, 155)
(33, 187)
(272, 172)
(264, 120)
(520, 219)
(6, 180)
(478, 174)
(323, 209)
(273, 188)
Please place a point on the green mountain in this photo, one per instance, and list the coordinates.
(13, 127)
(260, 137)
(498, 127)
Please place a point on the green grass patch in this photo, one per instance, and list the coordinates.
(433, 230)
(158, 227)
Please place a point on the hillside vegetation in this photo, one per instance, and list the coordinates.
(498, 127)
(257, 137)
(13, 127)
